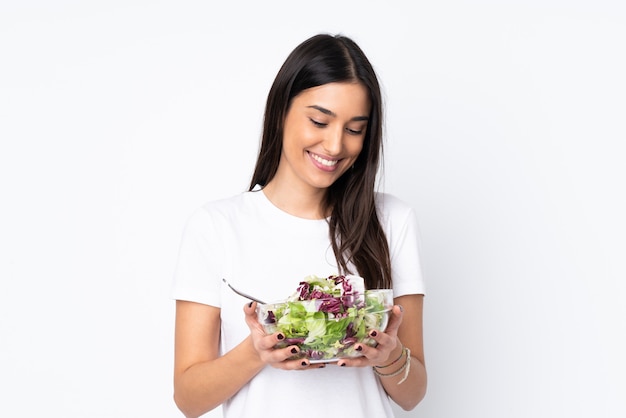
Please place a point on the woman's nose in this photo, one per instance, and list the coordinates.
(333, 142)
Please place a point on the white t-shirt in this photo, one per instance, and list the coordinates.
(266, 252)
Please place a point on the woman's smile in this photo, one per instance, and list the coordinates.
(324, 163)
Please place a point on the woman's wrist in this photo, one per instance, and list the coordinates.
(394, 357)
(253, 355)
(404, 368)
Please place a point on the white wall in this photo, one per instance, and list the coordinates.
(505, 122)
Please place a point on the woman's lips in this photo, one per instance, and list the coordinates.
(324, 163)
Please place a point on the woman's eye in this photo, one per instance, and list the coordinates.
(317, 123)
(354, 131)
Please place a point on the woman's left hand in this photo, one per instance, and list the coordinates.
(387, 348)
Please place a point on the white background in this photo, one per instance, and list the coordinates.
(505, 132)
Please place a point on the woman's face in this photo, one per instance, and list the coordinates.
(323, 134)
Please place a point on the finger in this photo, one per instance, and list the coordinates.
(298, 364)
(394, 320)
(378, 344)
(250, 309)
(377, 339)
(273, 354)
(251, 319)
(354, 362)
(371, 352)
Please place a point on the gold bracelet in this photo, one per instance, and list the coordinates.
(406, 367)
(395, 361)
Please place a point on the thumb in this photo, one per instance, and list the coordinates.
(249, 308)
(251, 317)
(394, 320)
(250, 311)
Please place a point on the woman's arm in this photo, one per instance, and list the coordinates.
(202, 378)
(410, 392)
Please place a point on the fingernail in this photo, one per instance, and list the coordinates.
(342, 365)
(322, 365)
(250, 304)
(303, 363)
(373, 334)
(280, 336)
(294, 350)
(359, 348)
(401, 308)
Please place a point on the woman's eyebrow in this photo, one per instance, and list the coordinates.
(333, 114)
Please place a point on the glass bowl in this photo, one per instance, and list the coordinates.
(328, 329)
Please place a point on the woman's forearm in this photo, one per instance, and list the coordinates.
(412, 390)
(204, 386)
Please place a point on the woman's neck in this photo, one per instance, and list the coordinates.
(303, 203)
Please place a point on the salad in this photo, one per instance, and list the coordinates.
(326, 317)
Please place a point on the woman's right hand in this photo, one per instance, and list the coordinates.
(264, 344)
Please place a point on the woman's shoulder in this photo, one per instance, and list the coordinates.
(224, 203)
(391, 206)
(221, 209)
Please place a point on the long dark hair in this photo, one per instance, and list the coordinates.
(356, 234)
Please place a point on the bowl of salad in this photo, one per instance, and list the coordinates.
(327, 317)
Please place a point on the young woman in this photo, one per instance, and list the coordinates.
(311, 209)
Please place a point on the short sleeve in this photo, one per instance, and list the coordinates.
(404, 247)
(196, 277)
